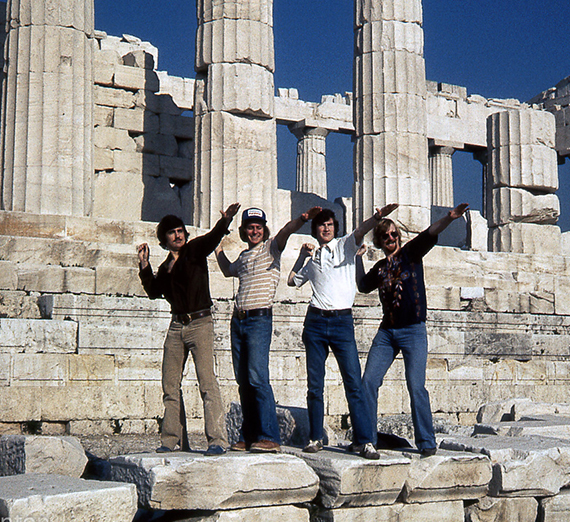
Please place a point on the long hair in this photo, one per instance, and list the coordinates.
(381, 228)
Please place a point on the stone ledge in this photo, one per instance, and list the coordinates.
(231, 481)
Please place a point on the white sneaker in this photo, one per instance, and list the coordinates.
(369, 452)
(313, 447)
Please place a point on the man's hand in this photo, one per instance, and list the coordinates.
(311, 213)
(143, 252)
(458, 211)
(231, 211)
(307, 250)
(385, 211)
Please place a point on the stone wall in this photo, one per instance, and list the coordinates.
(81, 346)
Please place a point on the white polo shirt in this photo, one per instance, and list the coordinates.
(332, 274)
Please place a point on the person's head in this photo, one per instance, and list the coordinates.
(324, 226)
(253, 229)
(171, 232)
(387, 236)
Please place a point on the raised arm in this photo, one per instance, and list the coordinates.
(305, 252)
(223, 261)
(371, 222)
(294, 225)
(360, 263)
(440, 225)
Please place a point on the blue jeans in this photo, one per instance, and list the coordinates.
(412, 342)
(251, 338)
(319, 334)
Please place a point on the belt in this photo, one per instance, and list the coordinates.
(188, 318)
(329, 313)
(256, 312)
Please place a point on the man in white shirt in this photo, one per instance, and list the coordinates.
(329, 323)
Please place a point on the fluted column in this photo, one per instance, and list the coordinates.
(441, 174)
(311, 159)
(390, 112)
(522, 178)
(236, 136)
(47, 106)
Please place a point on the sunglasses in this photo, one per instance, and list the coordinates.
(392, 235)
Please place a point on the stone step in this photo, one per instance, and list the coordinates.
(522, 466)
(36, 496)
(39, 454)
(541, 425)
(231, 481)
(347, 480)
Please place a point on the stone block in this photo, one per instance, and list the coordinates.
(510, 205)
(111, 97)
(140, 58)
(543, 426)
(91, 367)
(47, 369)
(109, 189)
(259, 514)
(522, 466)
(103, 116)
(20, 403)
(349, 480)
(135, 79)
(136, 120)
(176, 94)
(387, 35)
(525, 238)
(240, 88)
(113, 139)
(37, 336)
(555, 509)
(56, 497)
(401, 10)
(446, 477)
(226, 482)
(103, 159)
(8, 276)
(398, 512)
(176, 168)
(490, 509)
(40, 454)
(260, 10)
(155, 143)
(234, 41)
(180, 126)
(521, 127)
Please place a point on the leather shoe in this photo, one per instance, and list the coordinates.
(265, 446)
(214, 450)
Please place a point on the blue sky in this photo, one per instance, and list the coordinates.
(506, 49)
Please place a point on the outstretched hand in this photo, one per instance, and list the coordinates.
(231, 211)
(458, 211)
(385, 211)
(311, 213)
(307, 249)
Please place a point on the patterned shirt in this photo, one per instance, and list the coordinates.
(258, 272)
(400, 283)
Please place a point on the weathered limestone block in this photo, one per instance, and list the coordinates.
(57, 497)
(525, 238)
(521, 150)
(258, 10)
(234, 41)
(428, 512)
(401, 10)
(112, 97)
(136, 120)
(544, 426)
(155, 143)
(240, 88)
(37, 336)
(135, 79)
(103, 159)
(109, 189)
(227, 482)
(176, 94)
(555, 509)
(135, 162)
(117, 281)
(8, 276)
(179, 126)
(526, 408)
(490, 509)
(176, 168)
(510, 205)
(140, 58)
(522, 466)
(390, 34)
(113, 139)
(36, 454)
(445, 477)
(259, 514)
(349, 480)
(127, 44)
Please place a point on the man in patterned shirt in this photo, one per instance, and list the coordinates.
(258, 271)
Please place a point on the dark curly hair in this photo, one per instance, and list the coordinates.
(322, 217)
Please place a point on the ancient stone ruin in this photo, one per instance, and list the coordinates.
(97, 144)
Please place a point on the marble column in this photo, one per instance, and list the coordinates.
(390, 112)
(47, 107)
(522, 178)
(311, 159)
(441, 174)
(236, 135)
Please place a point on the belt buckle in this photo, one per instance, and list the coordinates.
(242, 314)
(185, 319)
